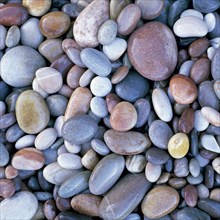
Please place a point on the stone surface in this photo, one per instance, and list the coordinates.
(69, 161)
(158, 57)
(209, 142)
(206, 7)
(116, 7)
(7, 188)
(135, 163)
(216, 164)
(190, 195)
(152, 172)
(198, 47)
(211, 115)
(186, 121)
(215, 69)
(191, 12)
(13, 36)
(210, 206)
(157, 156)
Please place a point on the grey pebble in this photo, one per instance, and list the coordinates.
(215, 68)
(100, 147)
(210, 206)
(157, 156)
(3, 32)
(203, 191)
(43, 196)
(7, 120)
(13, 36)
(14, 133)
(181, 167)
(4, 155)
(194, 167)
(194, 180)
(99, 107)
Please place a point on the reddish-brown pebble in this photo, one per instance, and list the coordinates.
(112, 100)
(186, 121)
(63, 204)
(49, 209)
(13, 14)
(183, 89)
(54, 24)
(123, 116)
(119, 74)
(198, 47)
(10, 172)
(7, 188)
(190, 195)
(200, 70)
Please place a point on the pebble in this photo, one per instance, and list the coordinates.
(123, 117)
(7, 120)
(209, 143)
(106, 174)
(215, 194)
(157, 45)
(22, 205)
(13, 36)
(186, 121)
(190, 195)
(186, 67)
(25, 141)
(206, 7)
(96, 61)
(177, 182)
(7, 188)
(100, 147)
(28, 159)
(86, 78)
(14, 133)
(87, 204)
(79, 129)
(3, 32)
(209, 176)
(100, 86)
(191, 12)
(49, 209)
(183, 89)
(117, 7)
(212, 20)
(19, 60)
(69, 161)
(126, 143)
(185, 27)
(214, 65)
(10, 172)
(203, 191)
(157, 156)
(51, 29)
(31, 112)
(217, 88)
(99, 107)
(135, 163)
(160, 102)
(107, 32)
(153, 206)
(152, 172)
(216, 164)
(90, 159)
(74, 185)
(181, 167)
(13, 14)
(194, 167)
(43, 196)
(74, 55)
(37, 8)
(178, 145)
(45, 139)
(210, 206)
(198, 47)
(160, 133)
(128, 19)
(85, 31)
(119, 74)
(132, 87)
(124, 197)
(211, 115)
(211, 53)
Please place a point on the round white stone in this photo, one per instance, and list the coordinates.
(211, 52)
(69, 161)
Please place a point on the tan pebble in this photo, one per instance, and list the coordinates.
(215, 194)
(119, 74)
(216, 164)
(90, 159)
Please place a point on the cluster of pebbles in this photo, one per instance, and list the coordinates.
(109, 109)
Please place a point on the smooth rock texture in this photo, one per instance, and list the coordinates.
(210, 206)
(215, 69)
(152, 172)
(200, 123)
(69, 161)
(209, 143)
(206, 6)
(7, 188)
(99, 107)
(116, 7)
(20, 60)
(135, 163)
(32, 112)
(211, 115)
(152, 51)
(157, 156)
(13, 36)
(186, 121)
(4, 155)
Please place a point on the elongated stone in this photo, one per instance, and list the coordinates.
(210, 206)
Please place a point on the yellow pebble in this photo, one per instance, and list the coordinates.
(178, 145)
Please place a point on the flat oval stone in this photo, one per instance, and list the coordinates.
(23, 205)
(124, 197)
(162, 105)
(100, 147)
(128, 19)
(181, 167)
(210, 206)
(158, 57)
(19, 60)
(183, 89)
(123, 117)
(106, 174)
(13, 36)
(191, 12)
(69, 161)
(74, 185)
(99, 107)
(152, 172)
(184, 27)
(3, 32)
(79, 129)
(157, 156)
(206, 7)
(7, 120)
(126, 143)
(211, 115)
(4, 155)
(96, 61)
(85, 31)
(190, 195)
(132, 87)
(13, 14)
(152, 207)
(186, 67)
(160, 133)
(116, 7)
(198, 47)
(51, 29)
(32, 112)
(215, 69)
(194, 167)
(209, 142)
(217, 88)
(186, 121)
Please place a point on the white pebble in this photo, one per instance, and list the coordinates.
(211, 52)
(210, 21)
(200, 123)
(209, 143)
(72, 148)
(25, 141)
(99, 107)
(192, 12)
(215, 42)
(58, 125)
(69, 161)
(186, 67)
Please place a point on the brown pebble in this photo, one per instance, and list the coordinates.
(111, 101)
(13, 14)
(119, 74)
(183, 89)
(49, 209)
(198, 47)
(182, 57)
(190, 195)
(7, 188)
(63, 204)
(177, 182)
(10, 172)
(186, 121)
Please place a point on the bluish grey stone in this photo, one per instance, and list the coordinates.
(43, 196)
(157, 156)
(3, 32)
(14, 133)
(5, 89)
(11, 100)
(44, 184)
(100, 147)
(33, 183)
(99, 107)
(132, 87)
(205, 6)
(4, 155)
(215, 67)
(210, 206)
(72, 9)
(133, 216)
(96, 61)
(7, 120)
(181, 167)
(194, 180)
(203, 191)
(13, 36)
(194, 167)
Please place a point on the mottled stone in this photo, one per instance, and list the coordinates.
(7, 188)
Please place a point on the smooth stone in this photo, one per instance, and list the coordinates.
(152, 172)
(211, 53)
(106, 174)
(51, 49)
(30, 33)
(79, 129)
(107, 32)
(132, 87)
(213, 130)
(135, 163)
(210, 206)
(215, 194)
(7, 120)
(206, 7)
(51, 29)
(100, 147)
(73, 10)
(155, 41)
(32, 112)
(119, 74)
(3, 33)
(191, 12)
(100, 86)
(207, 154)
(209, 143)
(178, 145)
(198, 47)
(157, 156)
(90, 159)
(128, 19)
(25, 141)
(213, 20)
(23, 205)
(186, 121)
(184, 27)
(45, 138)
(133, 216)
(152, 207)
(111, 101)
(203, 191)
(194, 180)
(19, 60)
(126, 143)
(86, 78)
(4, 155)
(96, 61)
(194, 167)
(186, 67)
(36, 87)
(13, 14)
(215, 69)
(216, 87)
(116, 7)
(124, 197)
(160, 133)
(183, 89)
(181, 167)
(43, 196)
(190, 195)
(99, 107)
(11, 100)
(14, 133)
(28, 159)
(216, 164)
(13, 36)
(74, 55)
(211, 115)
(209, 176)
(74, 185)
(177, 182)
(7, 188)
(69, 161)
(55, 174)
(202, 160)
(85, 31)
(2, 108)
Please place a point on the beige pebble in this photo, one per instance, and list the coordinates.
(212, 116)
(90, 159)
